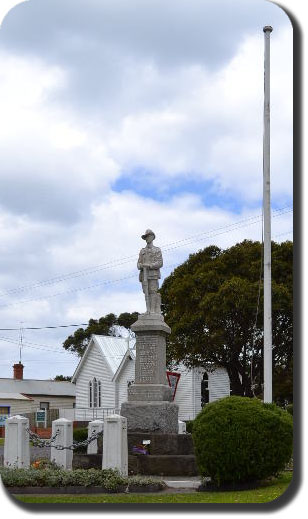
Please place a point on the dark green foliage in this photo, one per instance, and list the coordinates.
(79, 435)
(239, 439)
(62, 378)
(189, 426)
(78, 342)
(210, 303)
(289, 409)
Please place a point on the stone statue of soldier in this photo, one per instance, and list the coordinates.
(149, 262)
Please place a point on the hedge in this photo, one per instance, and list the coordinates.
(238, 439)
(108, 479)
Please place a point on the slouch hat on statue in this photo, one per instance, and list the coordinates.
(147, 233)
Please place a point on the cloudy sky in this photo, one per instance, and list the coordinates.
(122, 115)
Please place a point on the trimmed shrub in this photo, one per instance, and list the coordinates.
(289, 408)
(79, 435)
(189, 426)
(239, 439)
(107, 479)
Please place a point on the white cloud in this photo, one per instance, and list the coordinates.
(47, 150)
(212, 123)
(68, 133)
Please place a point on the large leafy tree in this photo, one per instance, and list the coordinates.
(107, 325)
(214, 305)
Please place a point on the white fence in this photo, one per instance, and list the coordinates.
(18, 434)
(86, 414)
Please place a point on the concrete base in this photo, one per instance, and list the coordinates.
(163, 465)
(166, 465)
(149, 393)
(169, 455)
(162, 444)
(160, 417)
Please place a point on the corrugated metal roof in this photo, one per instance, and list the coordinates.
(13, 396)
(113, 349)
(37, 387)
(131, 354)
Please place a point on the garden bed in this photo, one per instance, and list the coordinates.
(79, 481)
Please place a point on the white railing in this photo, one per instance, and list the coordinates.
(69, 414)
(86, 414)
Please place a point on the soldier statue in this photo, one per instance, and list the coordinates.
(149, 262)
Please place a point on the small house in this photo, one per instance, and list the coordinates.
(20, 396)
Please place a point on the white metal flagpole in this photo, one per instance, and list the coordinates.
(267, 224)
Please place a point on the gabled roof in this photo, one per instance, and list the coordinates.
(129, 354)
(113, 350)
(37, 387)
(13, 396)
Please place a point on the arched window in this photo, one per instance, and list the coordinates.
(90, 394)
(95, 392)
(205, 390)
(99, 394)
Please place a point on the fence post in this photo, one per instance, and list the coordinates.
(94, 427)
(115, 454)
(16, 443)
(63, 458)
(182, 427)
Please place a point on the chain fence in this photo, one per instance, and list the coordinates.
(39, 442)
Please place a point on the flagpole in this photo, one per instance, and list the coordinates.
(267, 224)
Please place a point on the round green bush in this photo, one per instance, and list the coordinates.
(241, 440)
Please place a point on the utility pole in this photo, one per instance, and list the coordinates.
(20, 341)
(268, 368)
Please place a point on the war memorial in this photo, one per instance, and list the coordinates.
(151, 414)
(149, 407)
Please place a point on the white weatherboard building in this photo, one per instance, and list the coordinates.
(107, 368)
(96, 391)
(19, 395)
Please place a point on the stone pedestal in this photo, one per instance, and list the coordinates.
(16, 443)
(62, 457)
(149, 407)
(115, 454)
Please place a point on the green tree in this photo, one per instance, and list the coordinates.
(107, 325)
(211, 302)
(62, 378)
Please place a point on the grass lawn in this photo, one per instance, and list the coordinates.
(1, 441)
(267, 492)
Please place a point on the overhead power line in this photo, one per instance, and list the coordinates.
(101, 283)
(28, 345)
(9, 339)
(72, 290)
(127, 259)
(43, 327)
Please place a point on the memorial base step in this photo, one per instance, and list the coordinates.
(155, 465)
(166, 465)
